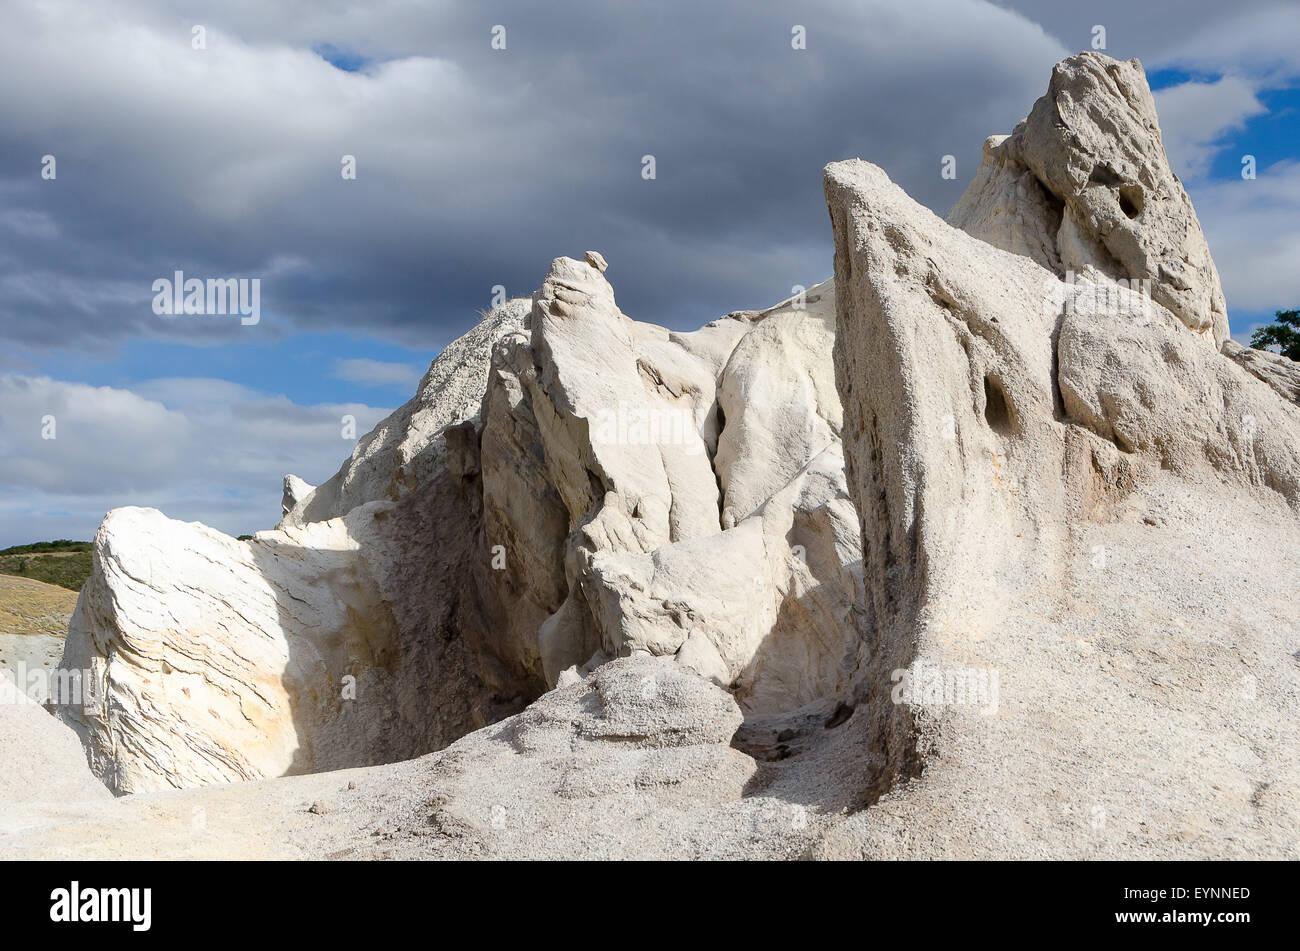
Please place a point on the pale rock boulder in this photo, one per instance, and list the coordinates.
(640, 739)
(634, 761)
(1154, 392)
(778, 398)
(331, 644)
(221, 660)
(624, 540)
(1083, 184)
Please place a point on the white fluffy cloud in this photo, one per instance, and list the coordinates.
(1254, 231)
(1195, 118)
(202, 450)
(1256, 38)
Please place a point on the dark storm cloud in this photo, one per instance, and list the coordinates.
(1246, 36)
(475, 166)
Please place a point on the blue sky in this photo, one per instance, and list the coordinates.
(306, 366)
(1271, 135)
(475, 168)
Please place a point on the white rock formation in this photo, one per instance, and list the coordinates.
(962, 556)
(404, 451)
(223, 660)
(591, 488)
(295, 491)
(989, 439)
(332, 641)
(638, 429)
(1083, 185)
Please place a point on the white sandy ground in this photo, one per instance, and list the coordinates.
(1147, 709)
(41, 760)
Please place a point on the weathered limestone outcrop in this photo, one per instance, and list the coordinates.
(221, 660)
(1083, 185)
(404, 452)
(744, 574)
(568, 486)
(969, 553)
(336, 640)
(994, 418)
(952, 450)
(296, 491)
(1170, 402)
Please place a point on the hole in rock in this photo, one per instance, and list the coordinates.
(596, 486)
(997, 411)
(840, 716)
(1105, 175)
(1131, 200)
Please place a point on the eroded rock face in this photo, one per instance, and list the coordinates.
(296, 491)
(693, 494)
(568, 486)
(1159, 396)
(219, 660)
(952, 451)
(335, 640)
(994, 417)
(1083, 185)
(1277, 371)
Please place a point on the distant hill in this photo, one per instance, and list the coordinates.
(63, 562)
(33, 623)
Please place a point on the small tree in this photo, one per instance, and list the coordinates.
(1284, 334)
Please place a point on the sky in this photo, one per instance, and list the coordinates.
(210, 138)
